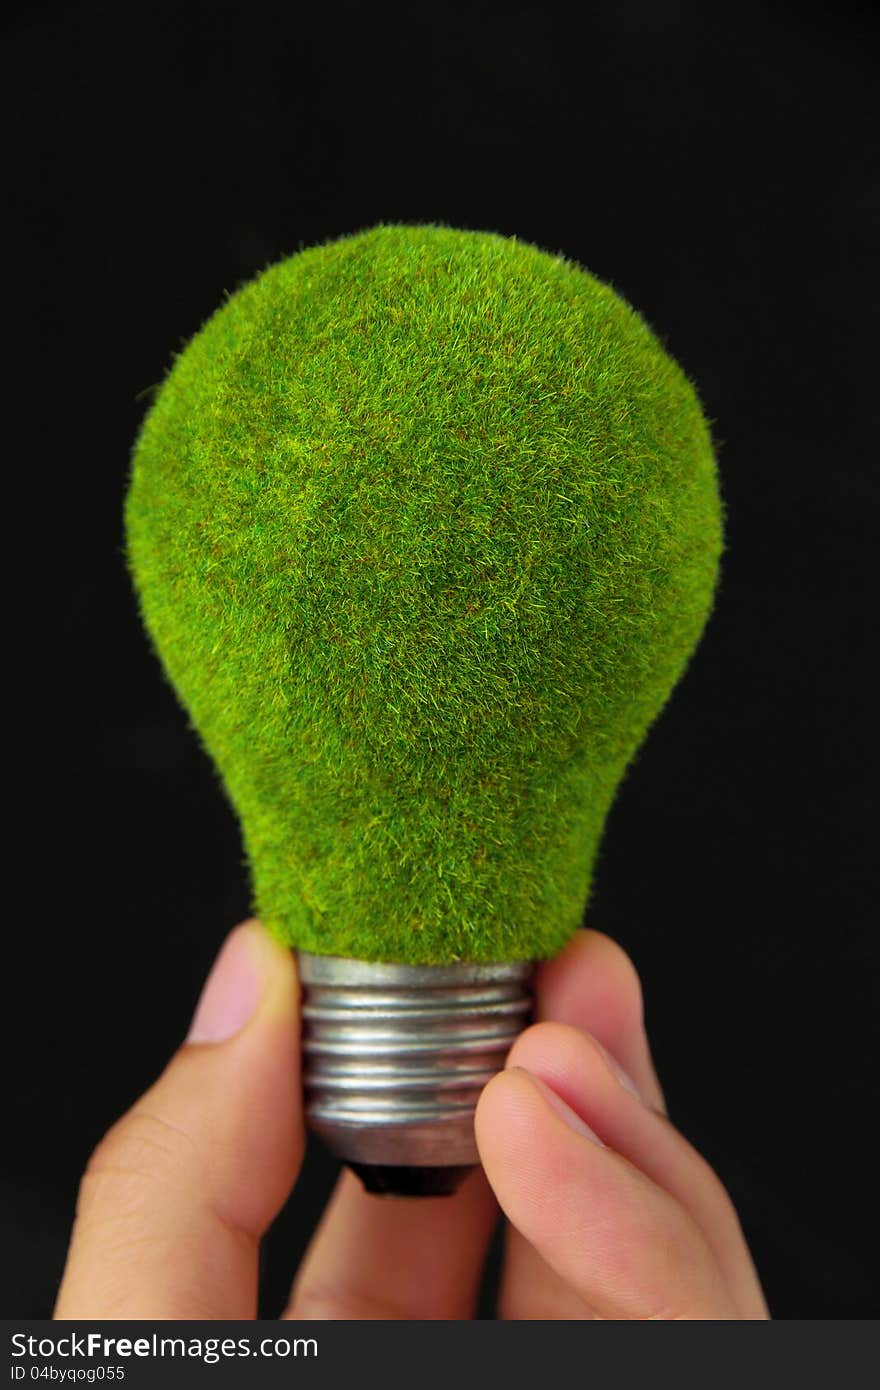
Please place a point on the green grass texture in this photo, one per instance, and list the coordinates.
(425, 526)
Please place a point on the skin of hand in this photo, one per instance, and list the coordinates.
(610, 1212)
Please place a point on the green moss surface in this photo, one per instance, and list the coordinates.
(425, 526)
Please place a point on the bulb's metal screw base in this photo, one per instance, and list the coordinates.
(395, 1058)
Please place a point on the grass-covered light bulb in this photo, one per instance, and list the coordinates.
(425, 526)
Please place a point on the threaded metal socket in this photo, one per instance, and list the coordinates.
(395, 1056)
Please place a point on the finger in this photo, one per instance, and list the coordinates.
(625, 1246)
(178, 1193)
(577, 1069)
(530, 1291)
(593, 985)
(375, 1258)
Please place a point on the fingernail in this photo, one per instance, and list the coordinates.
(613, 1065)
(231, 992)
(563, 1110)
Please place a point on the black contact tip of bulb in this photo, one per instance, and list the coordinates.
(406, 1180)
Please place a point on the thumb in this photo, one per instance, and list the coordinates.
(178, 1193)
(618, 1241)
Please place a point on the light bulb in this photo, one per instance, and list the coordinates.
(425, 526)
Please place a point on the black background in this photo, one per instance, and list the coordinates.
(714, 163)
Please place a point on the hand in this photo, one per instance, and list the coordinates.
(611, 1213)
